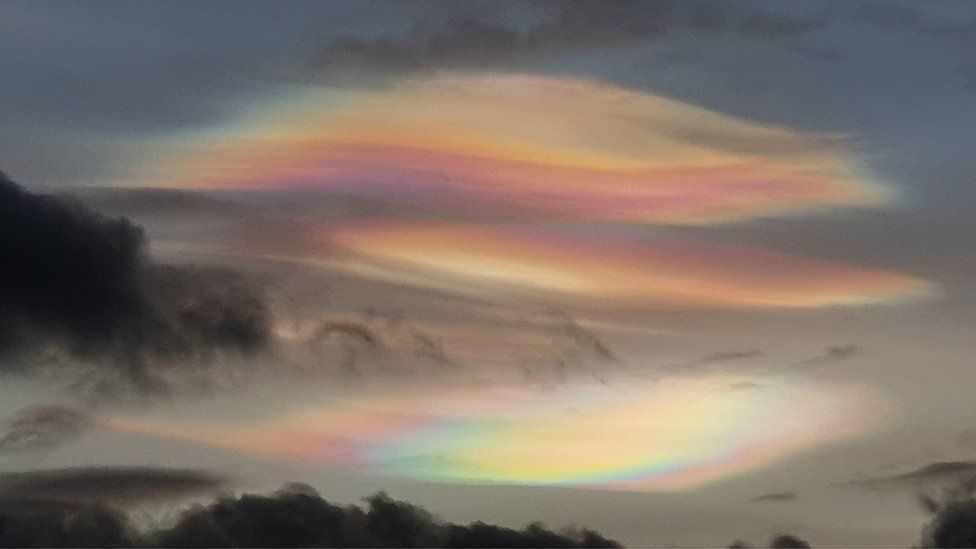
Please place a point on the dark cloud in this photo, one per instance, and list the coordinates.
(954, 517)
(954, 525)
(148, 203)
(835, 353)
(933, 474)
(376, 344)
(63, 524)
(81, 302)
(787, 541)
(42, 427)
(107, 484)
(721, 357)
(570, 350)
(565, 27)
(297, 516)
(888, 16)
(774, 498)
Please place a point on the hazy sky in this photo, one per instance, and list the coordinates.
(682, 272)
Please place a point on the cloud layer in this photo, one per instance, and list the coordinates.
(75, 508)
(81, 302)
(532, 147)
(669, 435)
(610, 268)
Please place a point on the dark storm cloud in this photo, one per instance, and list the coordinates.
(954, 525)
(107, 484)
(297, 516)
(954, 517)
(64, 524)
(42, 427)
(565, 27)
(81, 303)
(774, 498)
(938, 473)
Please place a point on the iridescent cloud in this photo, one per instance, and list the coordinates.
(531, 146)
(582, 266)
(672, 435)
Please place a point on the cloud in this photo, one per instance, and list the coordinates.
(886, 16)
(933, 474)
(774, 498)
(954, 525)
(297, 516)
(721, 357)
(785, 541)
(119, 485)
(569, 349)
(42, 427)
(788, 541)
(64, 524)
(954, 516)
(375, 344)
(480, 432)
(527, 146)
(81, 302)
(294, 516)
(564, 28)
(834, 353)
(566, 266)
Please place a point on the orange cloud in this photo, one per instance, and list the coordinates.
(615, 269)
(535, 147)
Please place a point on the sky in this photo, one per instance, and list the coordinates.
(679, 272)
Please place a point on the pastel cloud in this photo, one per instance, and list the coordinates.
(673, 435)
(583, 266)
(532, 147)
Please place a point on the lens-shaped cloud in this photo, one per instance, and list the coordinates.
(532, 147)
(610, 268)
(671, 435)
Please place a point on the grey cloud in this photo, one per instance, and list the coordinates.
(81, 302)
(953, 522)
(888, 16)
(834, 353)
(789, 541)
(107, 484)
(784, 541)
(376, 345)
(721, 357)
(954, 525)
(571, 349)
(774, 497)
(933, 474)
(64, 524)
(294, 516)
(42, 427)
(565, 27)
(297, 516)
